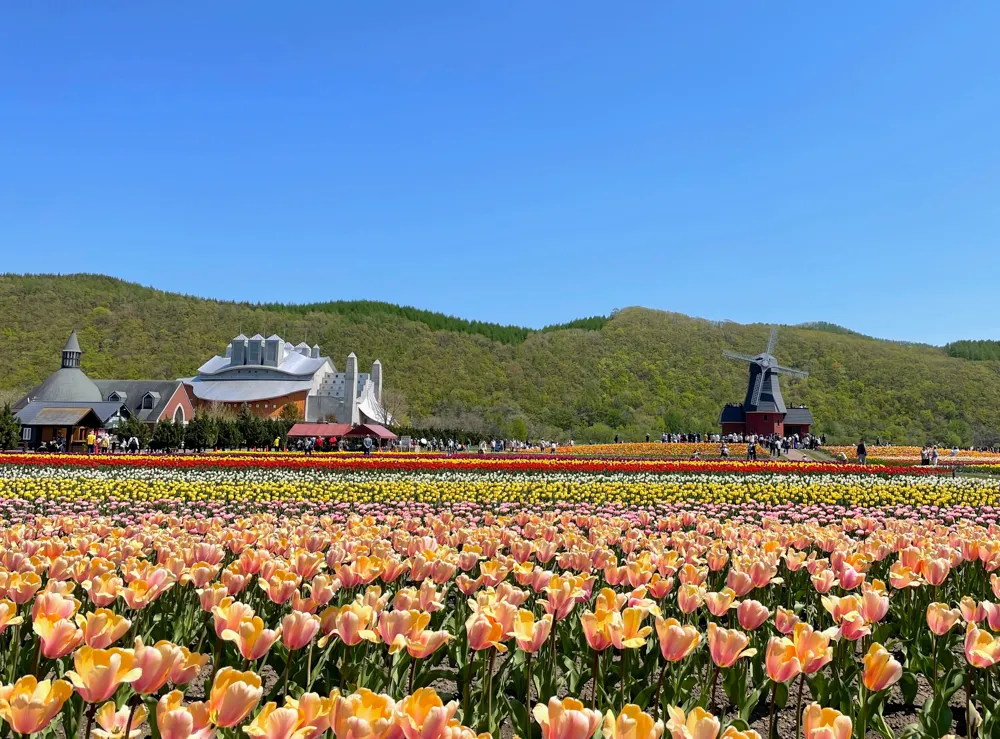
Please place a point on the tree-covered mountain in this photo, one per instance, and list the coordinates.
(635, 372)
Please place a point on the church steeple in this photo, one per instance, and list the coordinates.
(71, 352)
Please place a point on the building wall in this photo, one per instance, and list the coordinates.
(181, 399)
(733, 428)
(765, 424)
(268, 408)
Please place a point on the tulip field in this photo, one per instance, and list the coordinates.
(422, 597)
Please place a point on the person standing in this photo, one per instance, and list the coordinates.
(862, 451)
(368, 446)
(91, 442)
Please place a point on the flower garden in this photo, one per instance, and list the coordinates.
(291, 597)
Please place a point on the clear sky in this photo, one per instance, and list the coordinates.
(520, 161)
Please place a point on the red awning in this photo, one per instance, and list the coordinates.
(319, 429)
(371, 429)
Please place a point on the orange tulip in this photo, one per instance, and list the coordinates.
(175, 721)
(781, 660)
(484, 632)
(562, 593)
(28, 706)
(733, 733)
(8, 615)
(698, 724)
(97, 673)
(597, 628)
(423, 715)
(727, 645)
(631, 723)
(825, 723)
(941, 618)
(315, 712)
(364, 715)
(234, 695)
(21, 587)
(103, 589)
(280, 586)
(564, 719)
(102, 628)
(812, 648)
(881, 668)
(676, 641)
(112, 721)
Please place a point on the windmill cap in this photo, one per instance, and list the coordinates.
(72, 343)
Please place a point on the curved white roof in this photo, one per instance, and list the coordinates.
(245, 391)
(292, 363)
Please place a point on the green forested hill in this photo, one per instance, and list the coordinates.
(639, 371)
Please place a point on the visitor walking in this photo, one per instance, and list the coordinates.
(368, 446)
(862, 451)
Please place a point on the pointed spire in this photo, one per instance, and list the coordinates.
(73, 343)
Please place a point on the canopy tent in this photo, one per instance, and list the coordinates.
(305, 430)
(371, 429)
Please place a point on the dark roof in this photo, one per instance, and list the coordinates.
(42, 413)
(798, 417)
(319, 429)
(732, 414)
(72, 343)
(133, 391)
(770, 400)
(371, 429)
(65, 384)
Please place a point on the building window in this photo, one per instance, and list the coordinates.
(115, 396)
(26, 433)
(147, 402)
(179, 415)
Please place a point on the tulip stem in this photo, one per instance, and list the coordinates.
(624, 697)
(133, 704)
(774, 693)
(90, 720)
(309, 665)
(968, 711)
(288, 667)
(527, 696)
(659, 692)
(715, 680)
(934, 645)
(798, 708)
(594, 673)
(409, 681)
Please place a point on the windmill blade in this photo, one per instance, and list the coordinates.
(789, 371)
(741, 357)
(772, 341)
(758, 385)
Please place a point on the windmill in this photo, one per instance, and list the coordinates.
(763, 410)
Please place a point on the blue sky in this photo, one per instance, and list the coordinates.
(520, 162)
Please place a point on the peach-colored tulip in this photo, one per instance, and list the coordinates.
(564, 719)
(112, 721)
(212, 596)
(751, 614)
(252, 638)
(58, 637)
(8, 615)
(631, 723)
(315, 712)
(628, 632)
(423, 715)
(280, 586)
(234, 695)
(597, 627)
(739, 582)
(853, 626)
(21, 587)
(941, 618)
(562, 593)
(881, 668)
(484, 632)
(719, 603)
(781, 660)
(971, 611)
(676, 641)
(727, 645)
(698, 724)
(936, 571)
(176, 721)
(824, 581)
(825, 723)
(298, 629)
(275, 723)
(28, 706)
(102, 628)
(981, 649)
(530, 634)
(424, 644)
(812, 648)
(690, 597)
(352, 623)
(364, 715)
(97, 673)
(229, 614)
(785, 620)
(874, 601)
(188, 667)
(156, 663)
(732, 732)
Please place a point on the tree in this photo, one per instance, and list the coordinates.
(201, 433)
(164, 436)
(133, 427)
(10, 428)
(229, 434)
(394, 408)
(290, 412)
(251, 428)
